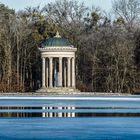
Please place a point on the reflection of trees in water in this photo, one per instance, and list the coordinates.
(65, 114)
(19, 114)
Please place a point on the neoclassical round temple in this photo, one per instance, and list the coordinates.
(58, 65)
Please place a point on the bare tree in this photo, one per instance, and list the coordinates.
(129, 10)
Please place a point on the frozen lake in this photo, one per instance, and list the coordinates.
(100, 118)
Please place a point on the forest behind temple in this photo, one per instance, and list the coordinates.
(108, 55)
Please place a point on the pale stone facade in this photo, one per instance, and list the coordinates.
(58, 68)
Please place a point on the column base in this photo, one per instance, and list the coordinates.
(58, 90)
(42, 89)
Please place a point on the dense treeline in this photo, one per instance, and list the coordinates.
(108, 56)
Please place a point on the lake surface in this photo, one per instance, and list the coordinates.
(72, 118)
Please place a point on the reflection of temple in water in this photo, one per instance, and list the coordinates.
(58, 114)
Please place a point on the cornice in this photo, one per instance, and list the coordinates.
(64, 48)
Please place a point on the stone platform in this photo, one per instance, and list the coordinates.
(57, 90)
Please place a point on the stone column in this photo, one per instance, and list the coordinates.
(43, 72)
(65, 74)
(55, 74)
(73, 72)
(47, 73)
(60, 71)
(69, 72)
(51, 71)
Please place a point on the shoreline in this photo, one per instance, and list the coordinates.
(35, 94)
(72, 98)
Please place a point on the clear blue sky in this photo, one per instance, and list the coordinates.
(21, 4)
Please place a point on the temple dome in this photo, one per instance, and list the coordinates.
(56, 41)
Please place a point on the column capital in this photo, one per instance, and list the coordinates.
(43, 57)
(60, 58)
(73, 58)
(50, 58)
(69, 58)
